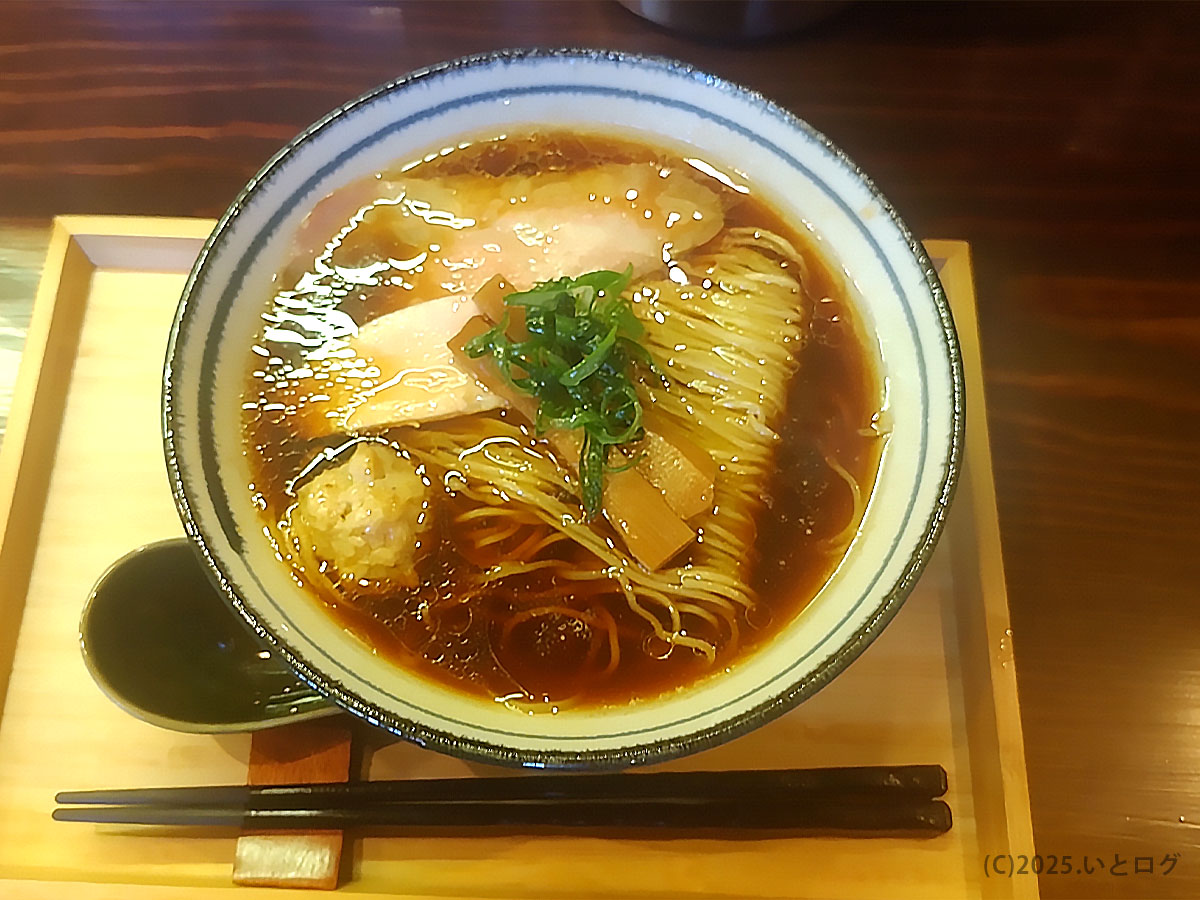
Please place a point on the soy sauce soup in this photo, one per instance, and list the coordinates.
(435, 520)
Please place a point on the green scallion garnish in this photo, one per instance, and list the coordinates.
(578, 362)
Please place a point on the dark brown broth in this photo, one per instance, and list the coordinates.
(831, 402)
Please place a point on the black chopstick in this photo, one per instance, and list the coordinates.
(824, 814)
(877, 799)
(921, 782)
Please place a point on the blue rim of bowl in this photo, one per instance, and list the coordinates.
(639, 753)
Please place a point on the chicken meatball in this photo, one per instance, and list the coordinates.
(368, 517)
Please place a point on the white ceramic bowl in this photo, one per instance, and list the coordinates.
(802, 174)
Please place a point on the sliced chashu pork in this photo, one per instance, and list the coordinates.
(418, 378)
(539, 228)
(544, 227)
(451, 235)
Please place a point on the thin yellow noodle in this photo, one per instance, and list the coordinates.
(727, 343)
(495, 536)
(507, 570)
(614, 657)
(631, 598)
(571, 573)
(840, 540)
(614, 641)
(682, 639)
(553, 537)
(494, 512)
(708, 616)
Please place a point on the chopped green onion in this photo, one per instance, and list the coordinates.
(578, 361)
(591, 362)
(591, 472)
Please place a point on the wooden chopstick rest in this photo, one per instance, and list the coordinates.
(303, 753)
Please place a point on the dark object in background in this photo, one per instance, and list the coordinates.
(733, 20)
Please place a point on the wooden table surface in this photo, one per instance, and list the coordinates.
(1062, 141)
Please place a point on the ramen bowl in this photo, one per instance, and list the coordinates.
(806, 179)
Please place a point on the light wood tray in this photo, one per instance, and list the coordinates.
(82, 481)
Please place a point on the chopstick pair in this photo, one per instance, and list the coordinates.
(880, 799)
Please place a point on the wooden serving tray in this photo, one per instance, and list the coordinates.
(82, 481)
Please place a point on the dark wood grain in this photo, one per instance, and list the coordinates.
(1063, 141)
